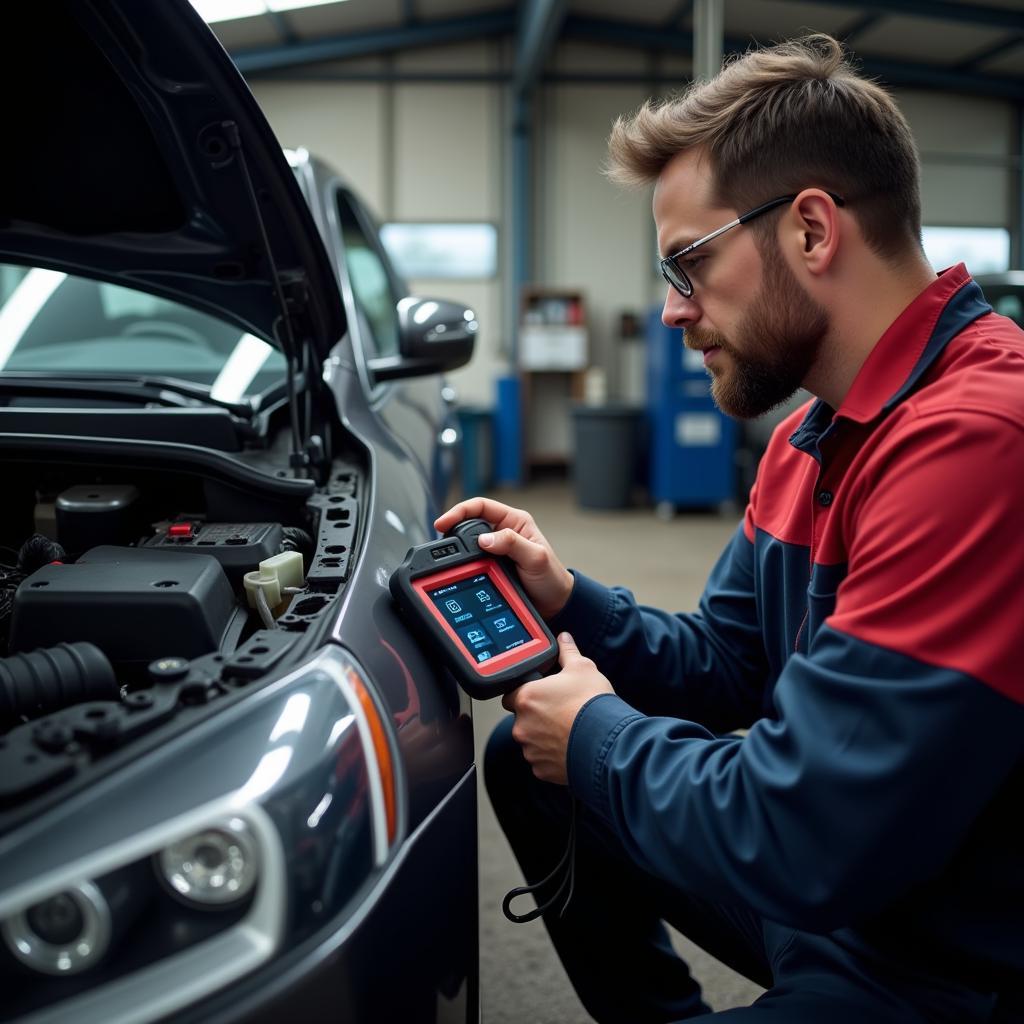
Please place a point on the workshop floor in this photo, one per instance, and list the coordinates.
(664, 564)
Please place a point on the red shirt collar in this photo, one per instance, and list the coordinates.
(897, 353)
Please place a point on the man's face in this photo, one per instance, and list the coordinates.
(760, 332)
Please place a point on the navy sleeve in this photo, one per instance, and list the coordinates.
(709, 666)
(865, 784)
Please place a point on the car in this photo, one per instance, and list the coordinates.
(233, 787)
(1005, 293)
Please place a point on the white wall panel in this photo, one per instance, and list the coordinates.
(948, 128)
(954, 123)
(446, 147)
(592, 235)
(342, 122)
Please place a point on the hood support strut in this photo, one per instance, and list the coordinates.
(299, 458)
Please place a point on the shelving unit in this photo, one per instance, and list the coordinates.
(553, 358)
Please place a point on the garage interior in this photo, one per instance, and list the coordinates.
(492, 118)
(476, 131)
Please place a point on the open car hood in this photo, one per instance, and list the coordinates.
(131, 144)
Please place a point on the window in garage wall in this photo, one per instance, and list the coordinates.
(983, 250)
(454, 250)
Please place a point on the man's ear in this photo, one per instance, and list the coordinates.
(814, 227)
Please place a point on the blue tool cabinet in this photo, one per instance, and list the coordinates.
(692, 444)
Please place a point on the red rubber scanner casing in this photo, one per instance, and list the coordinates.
(454, 559)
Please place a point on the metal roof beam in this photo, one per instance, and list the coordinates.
(942, 10)
(986, 54)
(538, 28)
(362, 44)
(895, 72)
(281, 26)
(858, 27)
(682, 10)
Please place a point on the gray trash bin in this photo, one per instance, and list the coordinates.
(606, 442)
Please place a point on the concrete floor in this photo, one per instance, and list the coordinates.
(664, 564)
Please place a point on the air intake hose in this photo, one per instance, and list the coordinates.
(54, 677)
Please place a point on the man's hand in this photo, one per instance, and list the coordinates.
(547, 582)
(546, 709)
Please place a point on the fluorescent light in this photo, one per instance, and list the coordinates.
(229, 10)
(17, 314)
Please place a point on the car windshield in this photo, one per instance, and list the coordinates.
(58, 323)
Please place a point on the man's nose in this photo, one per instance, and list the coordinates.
(679, 311)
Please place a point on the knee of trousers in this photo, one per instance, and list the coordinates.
(506, 771)
(515, 792)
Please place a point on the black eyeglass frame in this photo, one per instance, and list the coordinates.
(677, 277)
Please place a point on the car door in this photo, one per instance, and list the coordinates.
(418, 409)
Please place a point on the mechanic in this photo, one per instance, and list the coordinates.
(856, 851)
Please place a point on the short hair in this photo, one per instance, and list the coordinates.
(781, 119)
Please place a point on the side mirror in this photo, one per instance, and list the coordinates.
(434, 336)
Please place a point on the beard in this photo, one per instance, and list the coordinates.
(779, 339)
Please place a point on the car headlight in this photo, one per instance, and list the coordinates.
(63, 934)
(212, 868)
(229, 843)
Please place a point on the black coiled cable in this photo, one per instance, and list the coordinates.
(566, 867)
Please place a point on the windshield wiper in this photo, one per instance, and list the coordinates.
(139, 388)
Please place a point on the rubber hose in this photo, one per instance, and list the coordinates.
(38, 551)
(55, 677)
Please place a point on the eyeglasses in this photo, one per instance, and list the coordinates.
(672, 270)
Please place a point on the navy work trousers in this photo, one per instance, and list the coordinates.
(616, 950)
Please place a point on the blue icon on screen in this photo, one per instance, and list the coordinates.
(474, 636)
(453, 606)
(483, 656)
(482, 596)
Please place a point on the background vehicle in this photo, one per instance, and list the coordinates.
(1005, 293)
(212, 811)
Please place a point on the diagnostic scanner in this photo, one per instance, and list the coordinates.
(470, 607)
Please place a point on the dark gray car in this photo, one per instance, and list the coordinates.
(232, 787)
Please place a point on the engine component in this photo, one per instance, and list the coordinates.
(37, 551)
(92, 514)
(274, 577)
(297, 539)
(134, 604)
(53, 678)
(267, 587)
(237, 546)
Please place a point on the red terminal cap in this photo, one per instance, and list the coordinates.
(179, 530)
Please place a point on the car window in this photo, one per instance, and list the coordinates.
(52, 321)
(371, 284)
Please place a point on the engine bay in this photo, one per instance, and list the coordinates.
(134, 603)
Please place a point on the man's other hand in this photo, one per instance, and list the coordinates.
(547, 582)
(545, 710)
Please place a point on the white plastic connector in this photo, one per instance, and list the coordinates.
(275, 576)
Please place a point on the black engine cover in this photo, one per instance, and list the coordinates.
(135, 605)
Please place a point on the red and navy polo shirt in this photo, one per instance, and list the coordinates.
(866, 623)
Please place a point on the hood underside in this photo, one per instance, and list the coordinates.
(136, 154)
